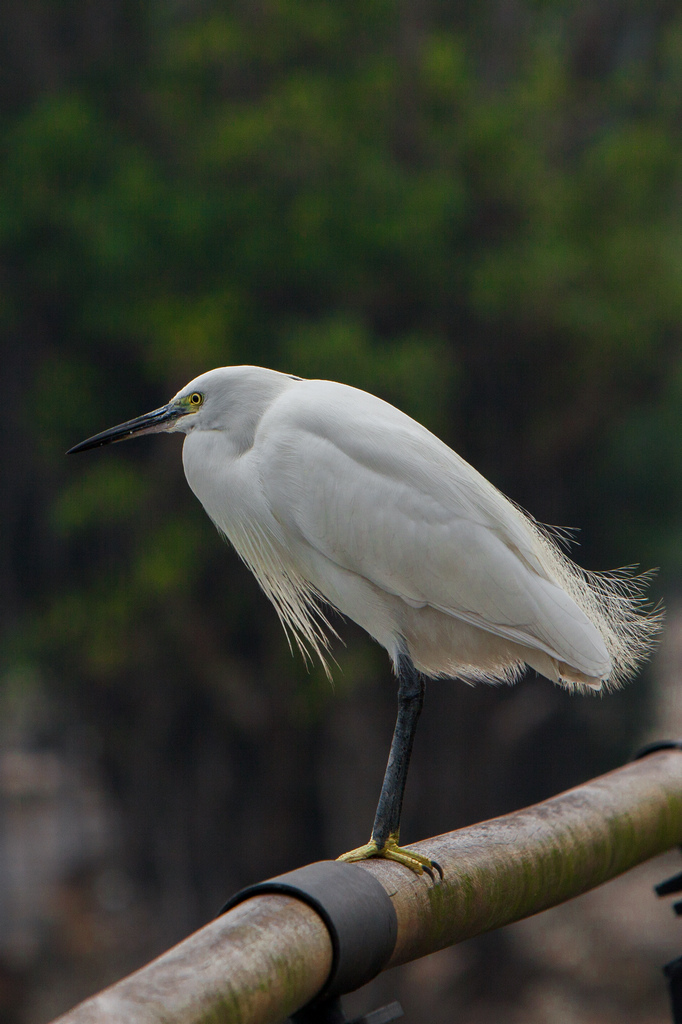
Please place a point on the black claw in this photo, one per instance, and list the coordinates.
(435, 866)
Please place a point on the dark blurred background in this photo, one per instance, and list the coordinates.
(473, 210)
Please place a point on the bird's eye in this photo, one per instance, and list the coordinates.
(196, 399)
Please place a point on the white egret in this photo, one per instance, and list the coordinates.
(331, 495)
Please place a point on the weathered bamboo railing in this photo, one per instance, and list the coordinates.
(272, 954)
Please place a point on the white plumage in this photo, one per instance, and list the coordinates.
(326, 491)
(331, 495)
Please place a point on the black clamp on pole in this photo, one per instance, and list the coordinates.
(362, 925)
(653, 748)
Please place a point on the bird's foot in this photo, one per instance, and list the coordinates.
(391, 851)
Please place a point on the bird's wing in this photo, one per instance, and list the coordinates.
(380, 496)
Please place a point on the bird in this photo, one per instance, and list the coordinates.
(336, 499)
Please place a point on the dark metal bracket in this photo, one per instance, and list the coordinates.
(331, 1012)
(672, 970)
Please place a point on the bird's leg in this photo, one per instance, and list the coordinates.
(386, 830)
(410, 703)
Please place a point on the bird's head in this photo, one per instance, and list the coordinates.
(230, 398)
(182, 413)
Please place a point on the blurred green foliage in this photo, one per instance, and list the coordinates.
(471, 210)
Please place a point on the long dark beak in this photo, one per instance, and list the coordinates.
(150, 423)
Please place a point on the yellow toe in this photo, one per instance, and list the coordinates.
(391, 851)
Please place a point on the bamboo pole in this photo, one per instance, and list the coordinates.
(272, 954)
